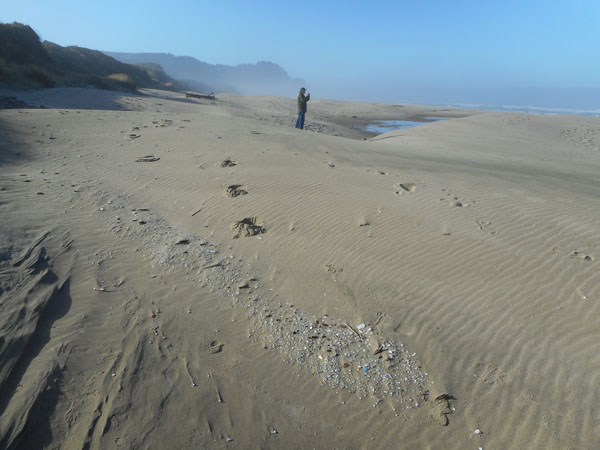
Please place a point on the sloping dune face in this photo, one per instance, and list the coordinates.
(177, 273)
(34, 295)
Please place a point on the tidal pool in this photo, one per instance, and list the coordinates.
(383, 126)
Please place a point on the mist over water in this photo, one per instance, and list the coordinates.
(540, 100)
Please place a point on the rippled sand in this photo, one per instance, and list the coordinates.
(178, 273)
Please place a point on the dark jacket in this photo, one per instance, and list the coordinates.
(302, 100)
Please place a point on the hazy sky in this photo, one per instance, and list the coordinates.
(416, 44)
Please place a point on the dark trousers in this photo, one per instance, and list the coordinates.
(300, 121)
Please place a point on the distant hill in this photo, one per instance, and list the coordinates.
(26, 62)
(260, 78)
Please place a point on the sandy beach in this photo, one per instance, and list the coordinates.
(185, 274)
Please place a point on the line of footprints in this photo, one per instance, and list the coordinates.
(248, 226)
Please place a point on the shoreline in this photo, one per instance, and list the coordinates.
(352, 124)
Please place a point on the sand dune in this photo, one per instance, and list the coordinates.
(192, 274)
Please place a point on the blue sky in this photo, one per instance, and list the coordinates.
(347, 44)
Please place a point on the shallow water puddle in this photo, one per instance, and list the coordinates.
(383, 126)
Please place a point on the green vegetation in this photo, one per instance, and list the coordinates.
(23, 60)
(27, 63)
(158, 75)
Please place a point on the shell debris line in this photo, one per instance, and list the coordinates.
(345, 357)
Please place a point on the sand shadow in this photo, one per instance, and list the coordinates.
(72, 98)
(12, 145)
(37, 433)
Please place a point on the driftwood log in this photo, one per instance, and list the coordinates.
(210, 96)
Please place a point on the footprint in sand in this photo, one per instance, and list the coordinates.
(404, 329)
(147, 158)
(579, 255)
(486, 226)
(377, 172)
(162, 123)
(456, 201)
(489, 374)
(227, 162)
(249, 226)
(235, 190)
(332, 268)
(401, 188)
(442, 408)
(574, 254)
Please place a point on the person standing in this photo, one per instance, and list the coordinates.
(302, 101)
